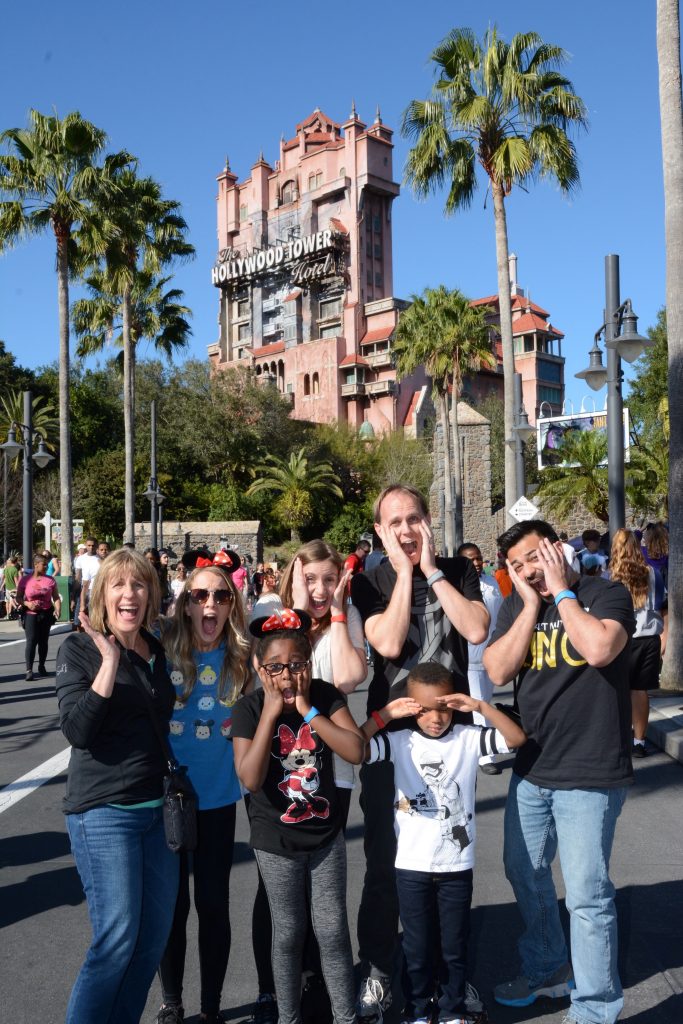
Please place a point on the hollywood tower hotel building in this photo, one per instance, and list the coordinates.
(304, 271)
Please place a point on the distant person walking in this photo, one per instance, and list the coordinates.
(39, 599)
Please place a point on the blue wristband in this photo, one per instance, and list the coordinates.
(309, 716)
(565, 593)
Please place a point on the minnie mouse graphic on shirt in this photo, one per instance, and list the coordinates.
(298, 756)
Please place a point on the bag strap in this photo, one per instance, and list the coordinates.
(141, 682)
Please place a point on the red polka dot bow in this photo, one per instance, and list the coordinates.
(285, 619)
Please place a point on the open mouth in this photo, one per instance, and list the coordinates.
(209, 625)
(288, 695)
(128, 613)
(319, 606)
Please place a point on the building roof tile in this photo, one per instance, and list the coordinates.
(380, 334)
(354, 360)
(531, 322)
(268, 350)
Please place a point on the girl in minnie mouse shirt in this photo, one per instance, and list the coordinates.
(284, 736)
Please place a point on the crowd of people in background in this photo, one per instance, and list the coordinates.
(248, 667)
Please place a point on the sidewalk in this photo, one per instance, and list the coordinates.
(666, 722)
(12, 630)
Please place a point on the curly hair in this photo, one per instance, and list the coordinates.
(313, 551)
(628, 566)
(176, 636)
(656, 540)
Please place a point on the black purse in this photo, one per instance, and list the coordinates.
(180, 799)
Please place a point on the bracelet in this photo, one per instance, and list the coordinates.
(311, 715)
(338, 618)
(435, 577)
(565, 593)
(377, 719)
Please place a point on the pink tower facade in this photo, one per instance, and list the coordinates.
(304, 272)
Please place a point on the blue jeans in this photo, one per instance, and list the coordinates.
(130, 878)
(432, 907)
(581, 823)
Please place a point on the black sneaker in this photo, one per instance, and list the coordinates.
(639, 750)
(265, 1010)
(170, 1015)
(374, 998)
(42, 671)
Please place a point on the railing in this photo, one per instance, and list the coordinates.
(355, 390)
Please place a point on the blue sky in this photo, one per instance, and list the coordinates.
(180, 85)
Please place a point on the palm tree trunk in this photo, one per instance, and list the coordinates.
(671, 113)
(457, 470)
(65, 482)
(447, 476)
(505, 306)
(128, 419)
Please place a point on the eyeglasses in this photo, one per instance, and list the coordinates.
(200, 595)
(276, 668)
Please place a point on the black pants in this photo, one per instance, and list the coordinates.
(37, 629)
(211, 864)
(378, 911)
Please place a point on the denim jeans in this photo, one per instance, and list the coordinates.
(580, 823)
(130, 878)
(434, 906)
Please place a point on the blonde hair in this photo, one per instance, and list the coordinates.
(176, 636)
(313, 551)
(120, 563)
(628, 566)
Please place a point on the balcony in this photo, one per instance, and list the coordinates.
(381, 387)
(271, 303)
(355, 390)
(381, 359)
(272, 327)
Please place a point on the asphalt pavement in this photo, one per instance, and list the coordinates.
(44, 921)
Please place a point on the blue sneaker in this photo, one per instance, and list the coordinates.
(521, 992)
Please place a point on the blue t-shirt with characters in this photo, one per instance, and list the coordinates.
(200, 731)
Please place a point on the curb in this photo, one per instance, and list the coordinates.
(665, 728)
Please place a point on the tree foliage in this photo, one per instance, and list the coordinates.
(649, 386)
(583, 478)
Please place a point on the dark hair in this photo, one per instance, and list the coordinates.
(519, 531)
(467, 547)
(431, 673)
(303, 644)
(590, 535)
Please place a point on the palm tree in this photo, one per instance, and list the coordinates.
(156, 314)
(442, 332)
(647, 489)
(506, 107)
(43, 418)
(296, 481)
(146, 233)
(581, 478)
(671, 114)
(52, 180)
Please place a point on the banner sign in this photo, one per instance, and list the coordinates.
(552, 431)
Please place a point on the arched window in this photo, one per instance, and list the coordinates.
(289, 192)
(307, 384)
(318, 179)
(311, 182)
(342, 172)
(316, 384)
(281, 375)
(258, 371)
(273, 369)
(243, 212)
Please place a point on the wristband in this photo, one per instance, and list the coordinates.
(310, 715)
(377, 719)
(565, 593)
(435, 577)
(338, 618)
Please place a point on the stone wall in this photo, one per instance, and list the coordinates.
(243, 537)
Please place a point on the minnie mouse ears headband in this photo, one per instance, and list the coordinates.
(292, 619)
(225, 559)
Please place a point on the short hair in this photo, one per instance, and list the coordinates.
(431, 673)
(519, 531)
(118, 564)
(405, 489)
(470, 546)
(301, 641)
(91, 540)
(593, 535)
(364, 544)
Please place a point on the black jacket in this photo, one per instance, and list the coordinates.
(116, 755)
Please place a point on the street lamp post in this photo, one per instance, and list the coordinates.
(153, 494)
(11, 448)
(622, 341)
(521, 432)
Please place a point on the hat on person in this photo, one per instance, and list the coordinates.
(81, 547)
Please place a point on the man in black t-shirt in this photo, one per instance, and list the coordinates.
(566, 637)
(415, 608)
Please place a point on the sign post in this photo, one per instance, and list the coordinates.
(524, 509)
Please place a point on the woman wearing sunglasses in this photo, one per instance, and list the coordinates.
(207, 652)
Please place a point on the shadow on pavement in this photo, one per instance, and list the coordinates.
(17, 851)
(39, 893)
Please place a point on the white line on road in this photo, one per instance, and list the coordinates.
(28, 783)
(59, 627)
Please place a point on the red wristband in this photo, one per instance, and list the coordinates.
(338, 618)
(377, 719)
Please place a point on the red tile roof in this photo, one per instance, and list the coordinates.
(354, 360)
(518, 302)
(530, 322)
(338, 226)
(268, 350)
(317, 115)
(380, 334)
(292, 295)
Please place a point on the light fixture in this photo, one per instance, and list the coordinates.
(523, 429)
(629, 344)
(42, 457)
(11, 447)
(595, 375)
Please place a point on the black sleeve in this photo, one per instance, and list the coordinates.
(245, 716)
(327, 698)
(471, 588)
(613, 601)
(81, 710)
(367, 597)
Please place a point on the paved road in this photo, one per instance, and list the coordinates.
(45, 925)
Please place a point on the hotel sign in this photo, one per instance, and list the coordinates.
(307, 259)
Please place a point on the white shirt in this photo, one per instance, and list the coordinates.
(89, 566)
(435, 793)
(493, 599)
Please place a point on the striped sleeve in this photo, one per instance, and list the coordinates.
(492, 742)
(379, 748)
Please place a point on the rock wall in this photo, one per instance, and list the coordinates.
(243, 537)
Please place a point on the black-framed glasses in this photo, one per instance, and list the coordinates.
(200, 595)
(276, 668)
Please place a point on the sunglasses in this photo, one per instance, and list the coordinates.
(276, 668)
(200, 595)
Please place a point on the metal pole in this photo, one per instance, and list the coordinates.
(161, 526)
(615, 405)
(520, 475)
(153, 475)
(5, 547)
(27, 430)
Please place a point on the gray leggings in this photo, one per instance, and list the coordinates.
(322, 875)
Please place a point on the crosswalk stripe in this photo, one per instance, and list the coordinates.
(28, 783)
